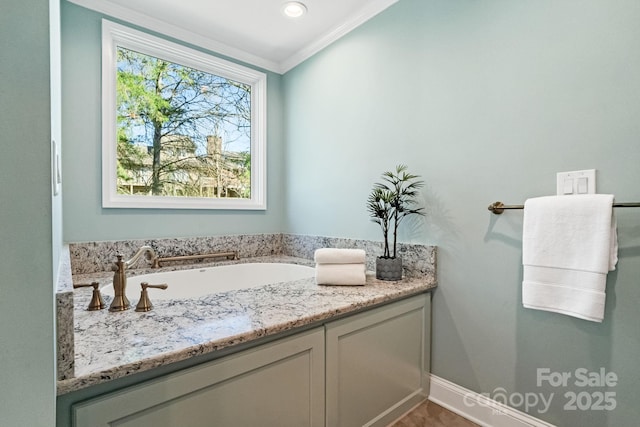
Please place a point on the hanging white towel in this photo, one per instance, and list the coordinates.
(339, 256)
(569, 244)
(340, 274)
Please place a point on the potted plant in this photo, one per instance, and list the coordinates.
(388, 204)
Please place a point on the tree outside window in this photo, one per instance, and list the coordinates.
(181, 128)
(181, 131)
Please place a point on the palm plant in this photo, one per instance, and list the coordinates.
(393, 200)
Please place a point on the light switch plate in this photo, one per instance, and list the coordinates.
(576, 182)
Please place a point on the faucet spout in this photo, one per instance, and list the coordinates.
(147, 251)
(120, 301)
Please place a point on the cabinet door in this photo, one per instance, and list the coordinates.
(377, 363)
(276, 384)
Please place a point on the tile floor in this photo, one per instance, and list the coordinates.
(428, 414)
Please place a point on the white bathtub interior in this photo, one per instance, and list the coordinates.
(199, 282)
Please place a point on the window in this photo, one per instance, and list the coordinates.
(180, 128)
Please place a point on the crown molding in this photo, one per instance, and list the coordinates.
(373, 8)
(112, 10)
(179, 33)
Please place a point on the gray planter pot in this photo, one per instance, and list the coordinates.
(389, 268)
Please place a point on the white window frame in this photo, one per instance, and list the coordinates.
(114, 35)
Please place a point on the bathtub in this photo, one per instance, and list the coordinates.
(198, 282)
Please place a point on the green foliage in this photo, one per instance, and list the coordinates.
(245, 167)
(393, 200)
(173, 110)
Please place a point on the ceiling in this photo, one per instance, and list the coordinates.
(252, 31)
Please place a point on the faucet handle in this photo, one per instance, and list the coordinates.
(97, 303)
(145, 304)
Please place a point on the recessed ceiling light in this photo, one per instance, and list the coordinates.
(294, 9)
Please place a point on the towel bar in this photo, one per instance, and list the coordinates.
(499, 207)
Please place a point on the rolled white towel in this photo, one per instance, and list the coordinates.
(340, 274)
(339, 256)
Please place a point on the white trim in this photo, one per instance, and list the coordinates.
(478, 408)
(373, 8)
(168, 29)
(114, 35)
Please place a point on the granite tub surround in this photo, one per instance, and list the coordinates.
(115, 345)
(417, 260)
(93, 257)
(64, 317)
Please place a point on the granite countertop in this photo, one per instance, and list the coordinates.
(114, 345)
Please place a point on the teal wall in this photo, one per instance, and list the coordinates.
(84, 218)
(486, 100)
(27, 368)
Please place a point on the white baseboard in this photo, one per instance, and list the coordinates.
(478, 408)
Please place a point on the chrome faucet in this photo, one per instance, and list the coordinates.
(120, 301)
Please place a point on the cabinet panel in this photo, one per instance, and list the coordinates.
(377, 363)
(278, 384)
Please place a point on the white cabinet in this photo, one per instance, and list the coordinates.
(377, 363)
(363, 370)
(276, 384)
